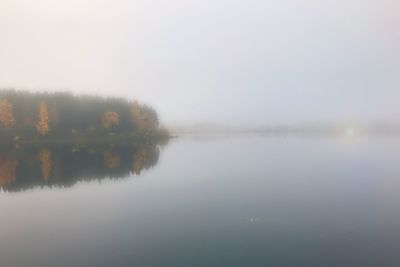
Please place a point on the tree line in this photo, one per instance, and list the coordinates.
(42, 114)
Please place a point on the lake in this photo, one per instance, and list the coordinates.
(206, 201)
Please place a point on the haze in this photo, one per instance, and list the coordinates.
(230, 61)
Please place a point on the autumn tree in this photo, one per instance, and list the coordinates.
(6, 114)
(43, 123)
(109, 119)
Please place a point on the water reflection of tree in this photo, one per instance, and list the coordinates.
(111, 160)
(8, 166)
(63, 166)
(45, 163)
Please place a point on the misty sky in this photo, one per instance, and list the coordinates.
(231, 61)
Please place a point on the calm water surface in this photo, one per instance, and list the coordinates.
(239, 201)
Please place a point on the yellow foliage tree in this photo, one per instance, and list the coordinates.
(109, 118)
(43, 123)
(6, 114)
(45, 160)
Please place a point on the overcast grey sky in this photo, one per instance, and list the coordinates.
(212, 60)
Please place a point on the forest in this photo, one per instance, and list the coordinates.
(27, 117)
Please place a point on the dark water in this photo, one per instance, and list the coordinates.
(240, 201)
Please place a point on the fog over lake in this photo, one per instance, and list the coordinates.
(207, 133)
(226, 61)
